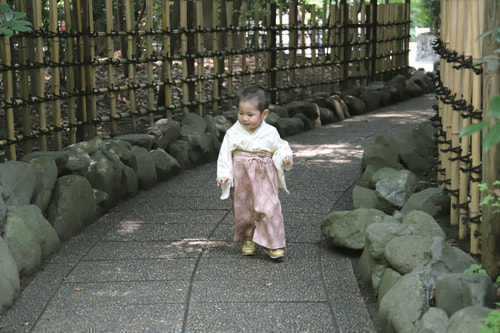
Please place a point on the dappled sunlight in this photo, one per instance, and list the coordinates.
(334, 153)
(129, 227)
(194, 245)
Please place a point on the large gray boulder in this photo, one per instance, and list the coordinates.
(355, 105)
(380, 156)
(423, 224)
(347, 228)
(180, 150)
(30, 237)
(129, 185)
(3, 209)
(46, 174)
(408, 252)
(377, 237)
(194, 121)
(144, 166)
(60, 157)
(447, 259)
(166, 165)
(9, 277)
(120, 148)
(18, 182)
(432, 200)
(326, 115)
(141, 140)
(389, 279)
(457, 291)
(291, 126)
(222, 124)
(310, 110)
(78, 160)
(105, 173)
(72, 206)
(398, 82)
(403, 305)
(363, 197)
(164, 131)
(468, 320)
(434, 320)
(396, 188)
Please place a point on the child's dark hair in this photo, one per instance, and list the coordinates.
(250, 93)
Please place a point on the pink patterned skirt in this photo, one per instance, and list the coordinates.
(254, 199)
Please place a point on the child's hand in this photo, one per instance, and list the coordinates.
(223, 181)
(287, 160)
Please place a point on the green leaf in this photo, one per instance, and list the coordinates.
(495, 107)
(473, 128)
(484, 34)
(486, 200)
(492, 137)
(483, 187)
(496, 182)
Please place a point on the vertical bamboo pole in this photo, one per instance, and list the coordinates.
(279, 84)
(8, 80)
(447, 80)
(243, 24)
(129, 7)
(91, 72)
(407, 32)
(256, 38)
(149, 64)
(56, 72)
(201, 59)
(184, 51)
(24, 82)
(458, 46)
(362, 38)
(303, 53)
(111, 68)
(463, 199)
(344, 58)
(271, 52)
(229, 26)
(215, 49)
(333, 45)
(476, 12)
(70, 71)
(314, 79)
(293, 48)
(323, 48)
(441, 106)
(40, 85)
(373, 22)
(167, 63)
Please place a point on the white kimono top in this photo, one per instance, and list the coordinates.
(264, 139)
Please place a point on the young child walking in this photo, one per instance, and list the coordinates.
(250, 168)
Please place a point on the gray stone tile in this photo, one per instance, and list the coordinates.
(261, 317)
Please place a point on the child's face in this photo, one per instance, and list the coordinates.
(249, 116)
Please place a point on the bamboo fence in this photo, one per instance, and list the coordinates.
(78, 74)
(461, 103)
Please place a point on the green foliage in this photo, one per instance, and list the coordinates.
(492, 197)
(492, 322)
(426, 14)
(475, 269)
(10, 21)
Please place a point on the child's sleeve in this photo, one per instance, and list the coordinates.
(225, 166)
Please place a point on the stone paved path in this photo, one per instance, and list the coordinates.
(164, 261)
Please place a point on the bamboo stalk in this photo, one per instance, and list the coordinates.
(323, 48)
(40, 83)
(313, 49)
(293, 52)
(111, 67)
(280, 53)
(465, 141)
(456, 121)
(243, 23)
(129, 7)
(24, 83)
(70, 71)
(91, 72)
(56, 71)
(303, 53)
(477, 82)
(9, 95)
(167, 65)
(81, 56)
(447, 79)
(215, 49)
(229, 24)
(149, 64)
(256, 37)
(362, 39)
(201, 59)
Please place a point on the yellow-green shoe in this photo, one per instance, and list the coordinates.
(274, 254)
(247, 246)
